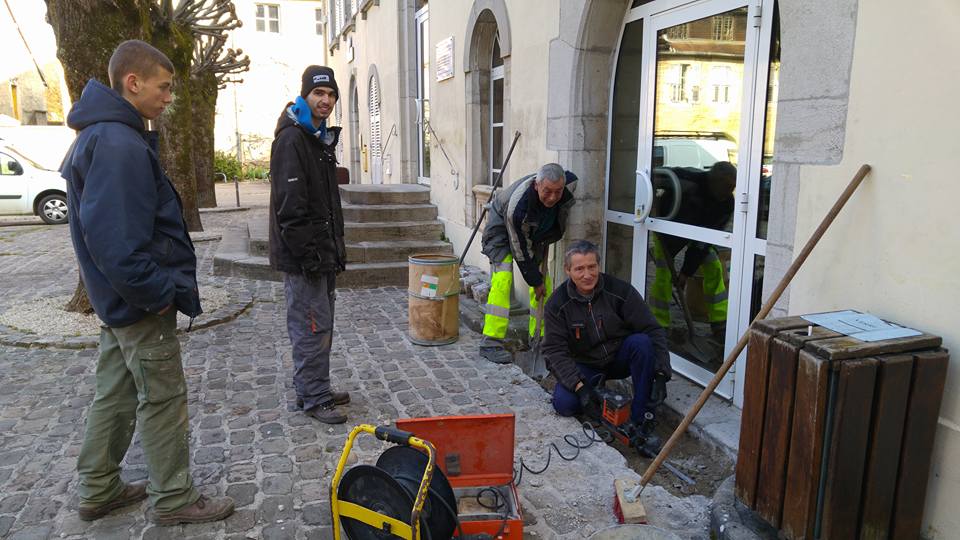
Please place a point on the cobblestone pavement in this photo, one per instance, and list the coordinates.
(246, 439)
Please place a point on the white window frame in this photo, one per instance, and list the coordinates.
(422, 21)
(265, 19)
(496, 74)
(321, 21)
(376, 132)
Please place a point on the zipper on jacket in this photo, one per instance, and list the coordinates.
(597, 328)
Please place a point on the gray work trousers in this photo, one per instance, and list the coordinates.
(310, 326)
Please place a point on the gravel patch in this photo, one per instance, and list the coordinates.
(46, 316)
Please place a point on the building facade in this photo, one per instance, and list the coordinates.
(795, 95)
(281, 37)
(32, 87)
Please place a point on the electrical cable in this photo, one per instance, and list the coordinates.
(593, 435)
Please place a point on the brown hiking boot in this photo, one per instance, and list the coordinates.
(132, 493)
(339, 398)
(327, 413)
(204, 510)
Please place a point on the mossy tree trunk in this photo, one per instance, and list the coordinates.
(85, 53)
(192, 33)
(205, 110)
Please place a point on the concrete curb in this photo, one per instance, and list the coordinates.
(18, 338)
(223, 209)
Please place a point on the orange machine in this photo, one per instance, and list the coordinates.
(476, 455)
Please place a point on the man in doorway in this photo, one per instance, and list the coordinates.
(599, 328)
(306, 237)
(524, 219)
(706, 200)
(137, 281)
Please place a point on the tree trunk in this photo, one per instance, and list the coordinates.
(80, 303)
(87, 32)
(205, 112)
(85, 54)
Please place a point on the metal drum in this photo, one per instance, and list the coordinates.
(434, 305)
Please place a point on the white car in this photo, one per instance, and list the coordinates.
(27, 188)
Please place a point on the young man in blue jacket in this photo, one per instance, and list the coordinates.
(139, 269)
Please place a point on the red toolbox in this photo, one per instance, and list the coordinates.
(476, 455)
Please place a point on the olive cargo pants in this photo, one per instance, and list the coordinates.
(139, 380)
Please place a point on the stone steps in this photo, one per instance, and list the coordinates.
(383, 226)
(384, 194)
(397, 250)
(356, 276)
(398, 230)
(370, 213)
(371, 251)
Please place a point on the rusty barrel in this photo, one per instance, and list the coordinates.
(434, 305)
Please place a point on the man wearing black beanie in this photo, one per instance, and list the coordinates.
(306, 236)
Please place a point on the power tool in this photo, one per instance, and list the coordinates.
(614, 417)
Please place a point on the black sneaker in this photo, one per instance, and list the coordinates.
(339, 398)
(497, 355)
(327, 413)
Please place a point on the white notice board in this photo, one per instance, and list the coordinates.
(445, 59)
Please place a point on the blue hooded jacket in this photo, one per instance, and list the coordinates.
(126, 220)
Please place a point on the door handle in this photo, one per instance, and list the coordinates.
(644, 197)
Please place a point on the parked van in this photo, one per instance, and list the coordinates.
(27, 187)
(701, 153)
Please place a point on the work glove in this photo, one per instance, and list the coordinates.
(312, 270)
(658, 390)
(590, 401)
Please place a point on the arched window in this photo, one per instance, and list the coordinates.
(376, 150)
(496, 111)
(486, 65)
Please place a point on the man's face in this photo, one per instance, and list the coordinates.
(584, 271)
(321, 101)
(549, 192)
(150, 95)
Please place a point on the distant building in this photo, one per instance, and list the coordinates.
(29, 49)
(282, 37)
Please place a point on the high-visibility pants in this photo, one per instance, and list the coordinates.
(661, 291)
(497, 316)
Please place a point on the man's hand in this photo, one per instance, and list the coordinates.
(589, 399)
(312, 270)
(540, 291)
(658, 390)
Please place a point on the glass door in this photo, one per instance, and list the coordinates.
(678, 212)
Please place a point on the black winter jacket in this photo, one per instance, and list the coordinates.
(590, 331)
(126, 219)
(306, 219)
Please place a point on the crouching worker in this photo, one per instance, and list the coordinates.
(598, 327)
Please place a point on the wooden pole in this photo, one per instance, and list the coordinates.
(742, 342)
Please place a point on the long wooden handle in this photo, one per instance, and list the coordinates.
(742, 342)
(483, 214)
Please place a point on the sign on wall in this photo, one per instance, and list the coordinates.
(445, 59)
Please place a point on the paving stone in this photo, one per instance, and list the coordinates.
(279, 484)
(12, 504)
(278, 464)
(243, 494)
(317, 514)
